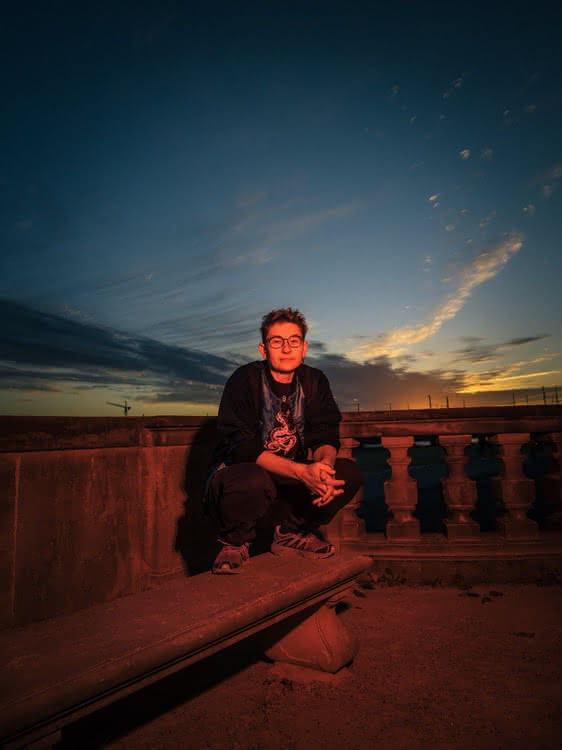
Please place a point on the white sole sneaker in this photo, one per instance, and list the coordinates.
(300, 545)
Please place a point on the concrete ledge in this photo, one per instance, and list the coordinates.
(60, 669)
(489, 558)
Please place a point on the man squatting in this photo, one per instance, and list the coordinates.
(278, 427)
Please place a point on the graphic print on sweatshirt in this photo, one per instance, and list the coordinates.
(282, 438)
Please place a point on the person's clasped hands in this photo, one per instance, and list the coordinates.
(320, 479)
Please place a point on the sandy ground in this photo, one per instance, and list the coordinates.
(437, 668)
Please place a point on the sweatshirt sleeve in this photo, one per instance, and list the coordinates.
(323, 417)
(238, 422)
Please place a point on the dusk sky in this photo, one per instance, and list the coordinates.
(174, 170)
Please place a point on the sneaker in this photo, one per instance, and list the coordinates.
(231, 558)
(304, 545)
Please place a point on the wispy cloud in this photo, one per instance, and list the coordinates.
(530, 209)
(249, 199)
(487, 220)
(487, 153)
(46, 349)
(72, 311)
(465, 154)
(484, 267)
(376, 384)
(548, 175)
(302, 223)
(455, 85)
(548, 180)
(478, 352)
(485, 382)
(255, 258)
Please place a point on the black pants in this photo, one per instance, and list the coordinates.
(242, 495)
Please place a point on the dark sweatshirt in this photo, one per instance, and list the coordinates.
(254, 408)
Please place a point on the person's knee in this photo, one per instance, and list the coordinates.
(249, 477)
(257, 480)
(349, 471)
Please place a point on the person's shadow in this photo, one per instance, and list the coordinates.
(196, 533)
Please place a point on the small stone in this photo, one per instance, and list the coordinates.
(523, 634)
(495, 593)
(486, 599)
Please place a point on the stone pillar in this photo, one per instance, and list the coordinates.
(459, 492)
(401, 492)
(551, 483)
(320, 641)
(347, 526)
(513, 488)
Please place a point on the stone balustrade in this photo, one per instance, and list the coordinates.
(459, 492)
(401, 491)
(552, 481)
(509, 433)
(96, 508)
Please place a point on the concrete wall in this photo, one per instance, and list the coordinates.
(92, 509)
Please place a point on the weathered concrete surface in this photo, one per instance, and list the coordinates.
(436, 669)
(91, 509)
(74, 662)
(78, 536)
(486, 421)
(9, 474)
(320, 642)
(96, 508)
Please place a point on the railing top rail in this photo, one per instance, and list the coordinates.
(63, 433)
(448, 423)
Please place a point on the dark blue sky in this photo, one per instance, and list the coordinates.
(172, 171)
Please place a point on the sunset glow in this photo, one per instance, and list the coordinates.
(172, 173)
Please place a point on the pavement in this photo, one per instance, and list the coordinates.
(441, 667)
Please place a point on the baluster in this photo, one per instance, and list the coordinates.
(350, 528)
(552, 482)
(513, 488)
(459, 492)
(401, 492)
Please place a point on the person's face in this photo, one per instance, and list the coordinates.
(285, 358)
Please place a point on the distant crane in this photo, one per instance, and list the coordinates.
(124, 406)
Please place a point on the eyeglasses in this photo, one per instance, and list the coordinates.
(276, 342)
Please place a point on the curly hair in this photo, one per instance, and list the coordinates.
(284, 315)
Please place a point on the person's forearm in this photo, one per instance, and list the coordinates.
(326, 453)
(279, 465)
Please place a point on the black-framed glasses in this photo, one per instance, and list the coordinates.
(276, 342)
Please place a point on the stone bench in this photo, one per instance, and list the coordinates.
(56, 671)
